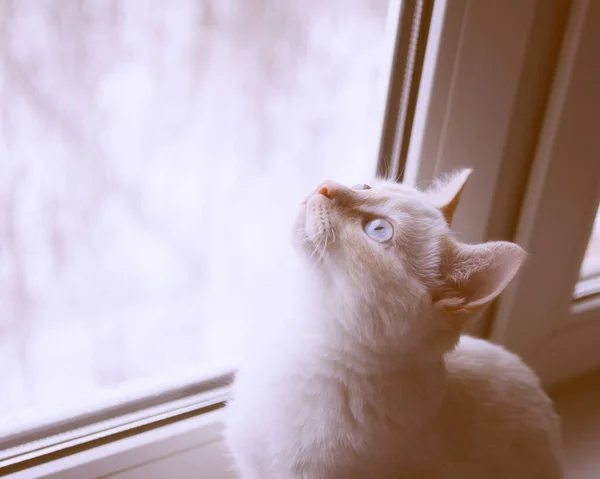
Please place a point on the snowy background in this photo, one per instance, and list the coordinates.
(148, 148)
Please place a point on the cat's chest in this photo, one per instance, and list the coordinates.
(320, 429)
(313, 407)
(294, 413)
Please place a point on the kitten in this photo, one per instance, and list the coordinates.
(366, 375)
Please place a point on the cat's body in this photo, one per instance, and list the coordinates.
(360, 378)
(482, 416)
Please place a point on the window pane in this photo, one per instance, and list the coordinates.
(589, 283)
(147, 148)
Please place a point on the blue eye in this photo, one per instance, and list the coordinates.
(379, 230)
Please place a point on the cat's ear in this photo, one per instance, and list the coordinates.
(445, 192)
(472, 276)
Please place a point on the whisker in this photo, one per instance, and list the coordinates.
(310, 239)
(302, 237)
(316, 249)
(323, 250)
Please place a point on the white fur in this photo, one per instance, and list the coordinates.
(359, 376)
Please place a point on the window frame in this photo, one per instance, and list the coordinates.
(474, 40)
(50, 442)
(538, 316)
(198, 438)
(408, 31)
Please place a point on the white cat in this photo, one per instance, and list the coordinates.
(362, 376)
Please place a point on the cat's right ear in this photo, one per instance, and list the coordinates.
(445, 192)
(472, 276)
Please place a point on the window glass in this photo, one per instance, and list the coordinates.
(146, 149)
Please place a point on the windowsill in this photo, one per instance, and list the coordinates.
(143, 423)
(589, 275)
(587, 288)
(182, 449)
(590, 265)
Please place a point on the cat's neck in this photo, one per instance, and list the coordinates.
(364, 356)
(316, 335)
(392, 384)
(329, 322)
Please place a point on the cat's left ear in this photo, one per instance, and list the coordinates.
(445, 192)
(472, 276)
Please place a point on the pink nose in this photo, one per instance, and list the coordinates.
(327, 189)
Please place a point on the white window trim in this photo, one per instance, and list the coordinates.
(124, 410)
(469, 112)
(537, 316)
(202, 436)
(487, 75)
(120, 429)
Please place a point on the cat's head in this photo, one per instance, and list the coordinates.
(389, 247)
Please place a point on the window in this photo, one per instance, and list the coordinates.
(139, 139)
(146, 151)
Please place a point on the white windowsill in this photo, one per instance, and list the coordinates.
(587, 287)
(185, 449)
